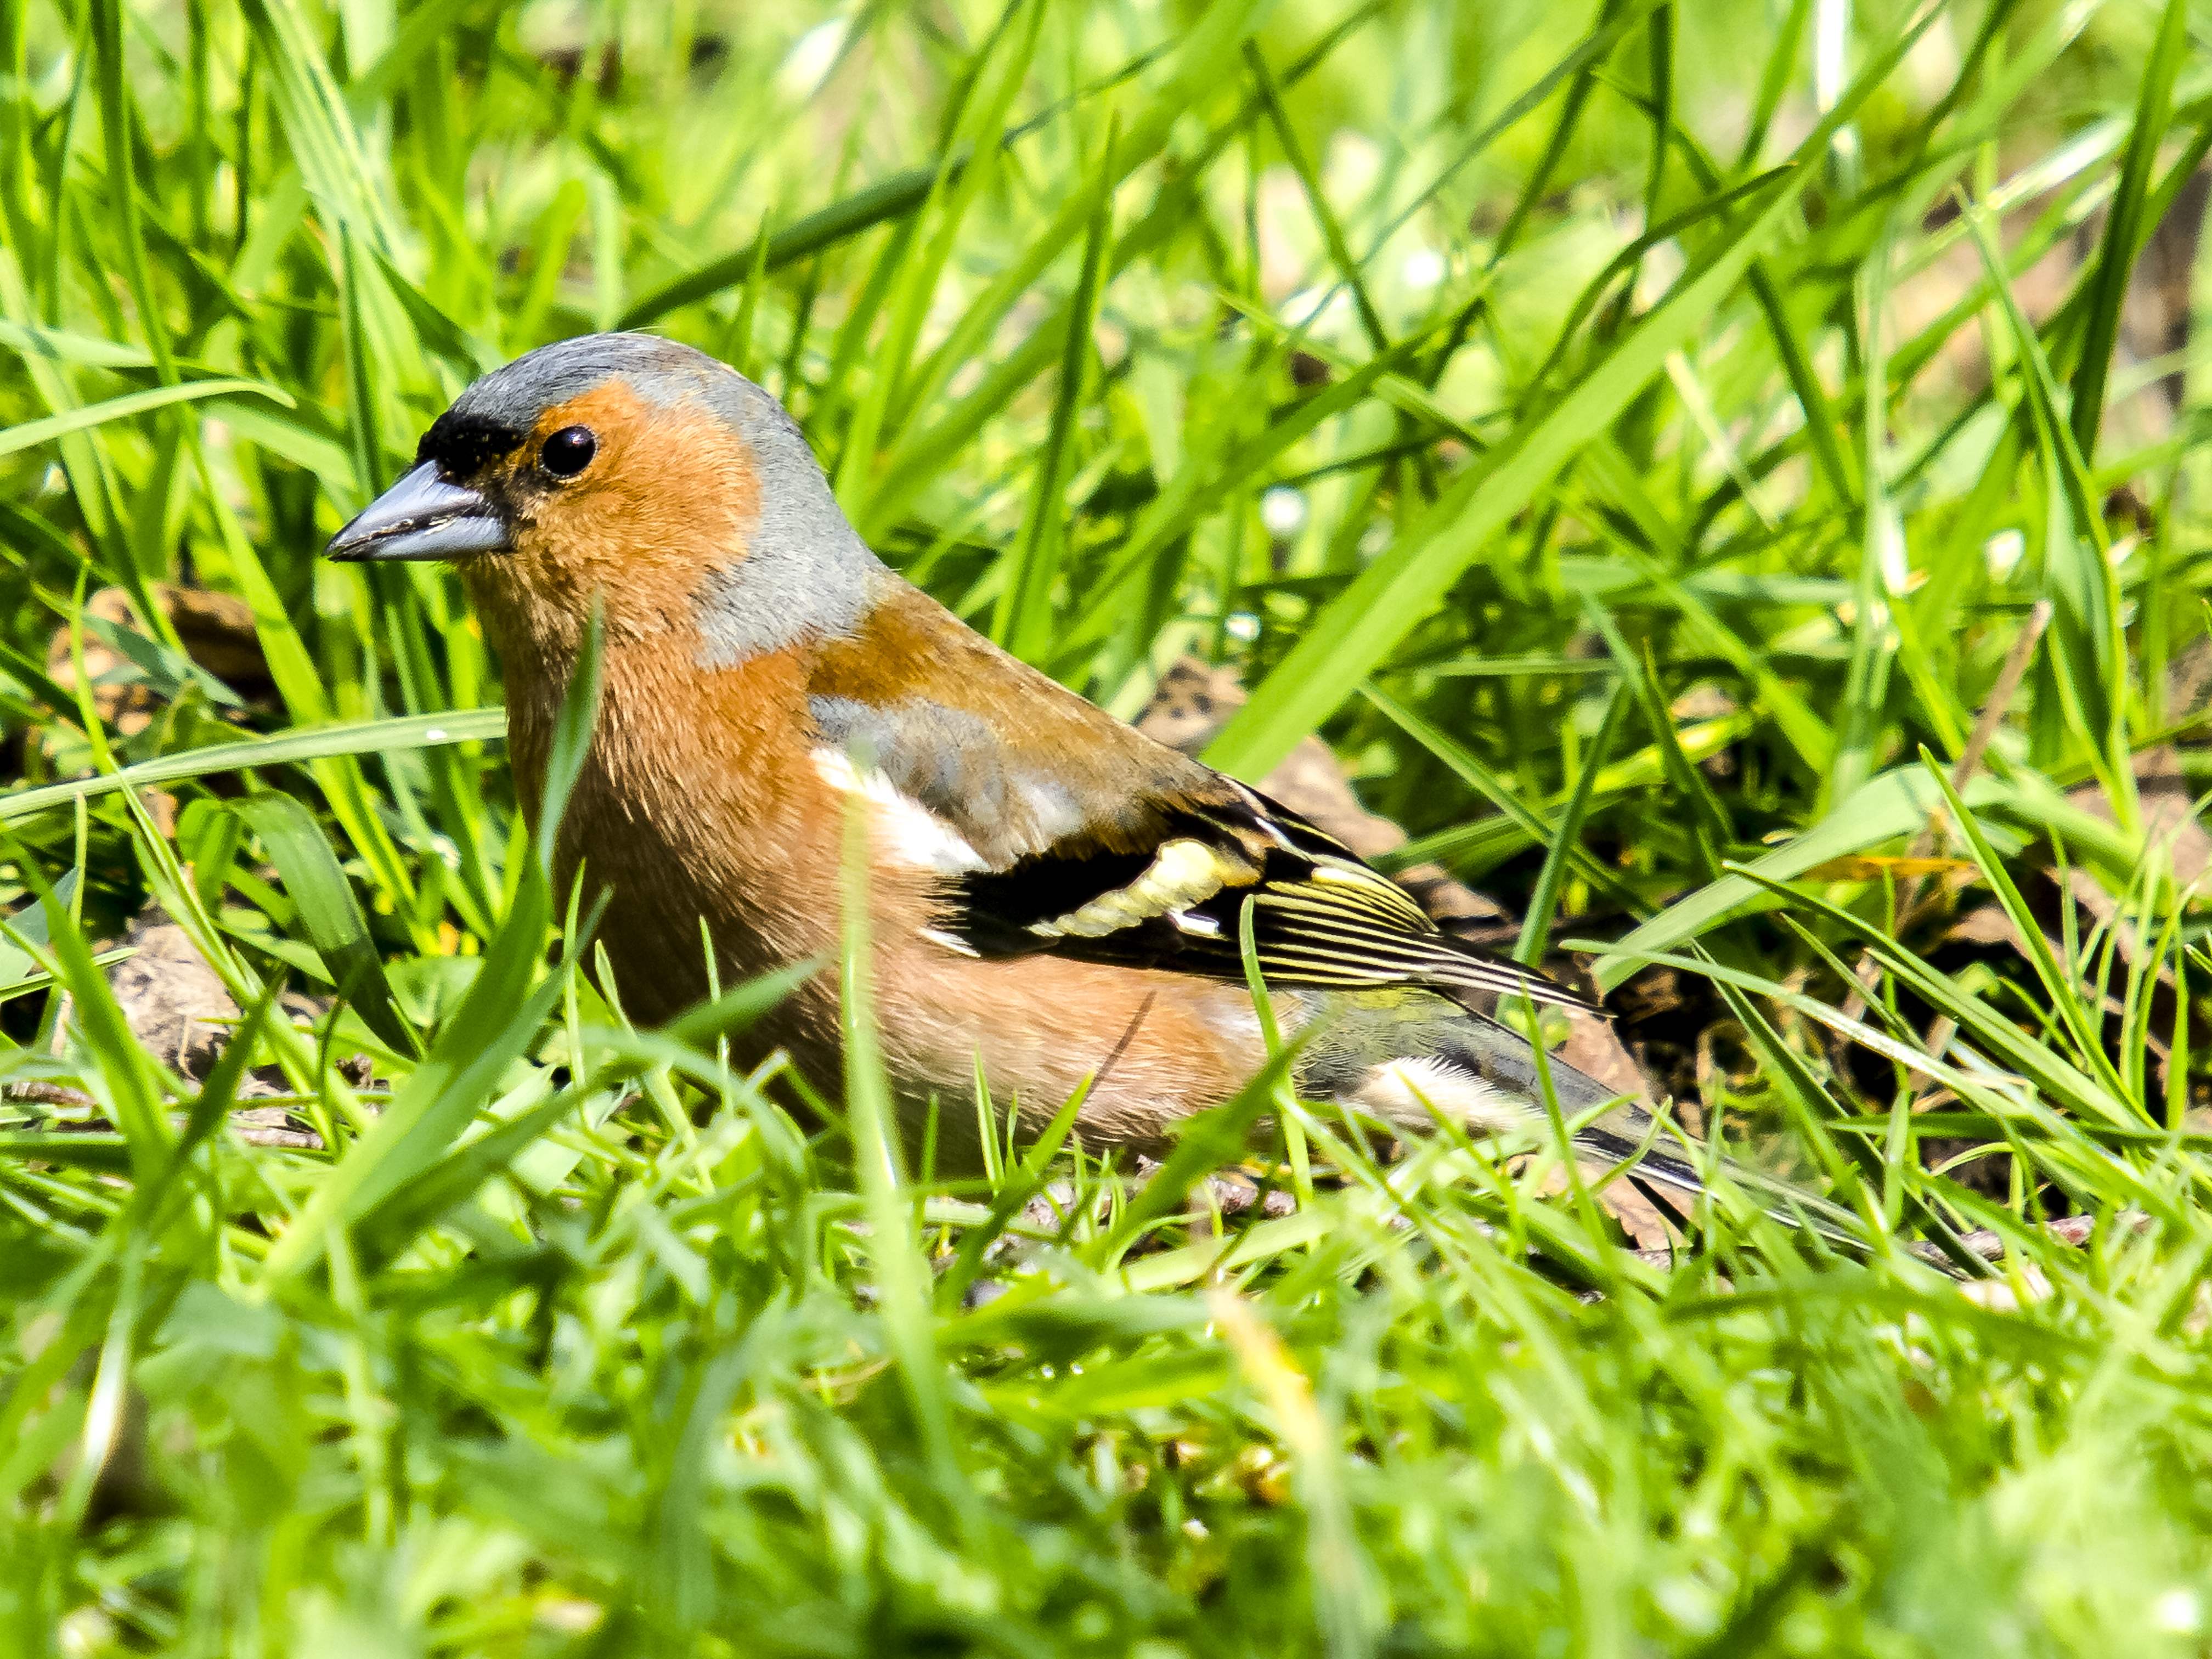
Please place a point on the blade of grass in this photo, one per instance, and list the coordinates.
(1566, 835)
(1024, 618)
(329, 914)
(1361, 625)
(903, 1280)
(363, 737)
(2124, 225)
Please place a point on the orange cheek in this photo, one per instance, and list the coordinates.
(670, 495)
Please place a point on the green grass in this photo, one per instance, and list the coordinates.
(1614, 429)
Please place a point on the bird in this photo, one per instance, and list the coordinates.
(1056, 901)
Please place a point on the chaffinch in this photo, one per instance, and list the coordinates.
(1055, 898)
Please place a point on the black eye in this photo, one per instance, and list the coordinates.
(568, 451)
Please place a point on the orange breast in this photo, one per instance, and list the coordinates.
(700, 802)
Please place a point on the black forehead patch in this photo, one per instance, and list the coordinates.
(462, 442)
(498, 413)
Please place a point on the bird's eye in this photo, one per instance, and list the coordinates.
(568, 451)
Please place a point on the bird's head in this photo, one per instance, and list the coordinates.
(636, 472)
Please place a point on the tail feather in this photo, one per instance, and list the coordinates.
(1407, 1057)
(1783, 1201)
(1791, 1205)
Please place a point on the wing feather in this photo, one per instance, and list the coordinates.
(1065, 831)
(1319, 919)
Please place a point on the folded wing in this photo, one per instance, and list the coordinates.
(1058, 829)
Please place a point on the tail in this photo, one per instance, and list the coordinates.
(1791, 1205)
(1625, 1135)
(1406, 1057)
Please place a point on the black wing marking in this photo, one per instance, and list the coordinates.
(1320, 917)
(1077, 861)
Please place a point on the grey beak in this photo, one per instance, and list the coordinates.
(422, 517)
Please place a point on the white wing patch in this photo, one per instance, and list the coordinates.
(909, 831)
(1401, 1091)
(1183, 872)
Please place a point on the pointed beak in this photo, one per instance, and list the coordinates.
(422, 517)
